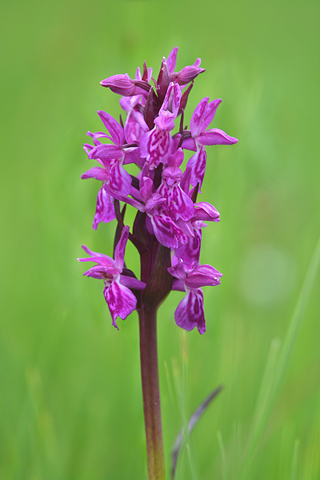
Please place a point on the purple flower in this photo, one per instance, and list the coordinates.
(160, 185)
(135, 125)
(120, 299)
(187, 74)
(199, 137)
(190, 251)
(167, 226)
(123, 85)
(190, 312)
(168, 232)
(104, 209)
(111, 157)
(128, 103)
(179, 204)
(157, 145)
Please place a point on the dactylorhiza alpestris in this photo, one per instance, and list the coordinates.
(167, 230)
(165, 197)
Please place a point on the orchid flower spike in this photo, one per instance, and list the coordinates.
(161, 186)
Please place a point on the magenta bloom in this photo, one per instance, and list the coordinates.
(110, 156)
(123, 85)
(157, 145)
(120, 299)
(200, 120)
(190, 312)
(105, 208)
(167, 230)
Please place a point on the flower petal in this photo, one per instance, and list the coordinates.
(176, 159)
(210, 113)
(178, 285)
(190, 252)
(121, 301)
(165, 121)
(132, 282)
(179, 204)
(120, 248)
(123, 85)
(106, 152)
(167, 232)
(178, 270)
(100, 272)
(104, 209)
(146, 189)
(190, 312)
(197, 164)
(172, 59)
(119, 179)
(97, 135)
(189, 143)
(135, 127)
(215, 136)
(155, 146)
(104, 258)
(132, 155)
(205, 211)
(113, 127)
(98, 173)
(187, 74)
(171, 101)
(196, 122)
(203, 275)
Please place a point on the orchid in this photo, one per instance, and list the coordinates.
(157, 145)
(167, 230)
(190, 311)
(111, 157)
(104, 209)
(197, 137)
(120, 299)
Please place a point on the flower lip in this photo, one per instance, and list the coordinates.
(165, 121)
(172, 173)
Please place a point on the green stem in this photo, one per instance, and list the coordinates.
(151, 393)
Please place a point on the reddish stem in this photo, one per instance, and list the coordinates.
(151, 393)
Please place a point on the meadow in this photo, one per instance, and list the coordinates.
(70, 392)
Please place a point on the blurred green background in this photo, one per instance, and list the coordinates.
(70, 399)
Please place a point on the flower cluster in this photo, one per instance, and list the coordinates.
(167, 230)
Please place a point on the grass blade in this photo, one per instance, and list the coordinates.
(192, 422)
(273, 381)
(223, 456)
(294, 467)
